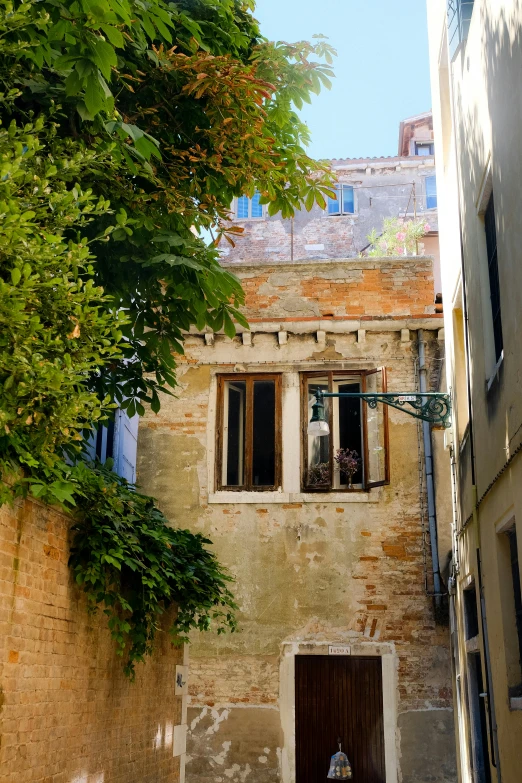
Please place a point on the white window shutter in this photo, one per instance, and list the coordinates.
(125, 445)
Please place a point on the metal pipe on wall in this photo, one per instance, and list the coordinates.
(430, 482)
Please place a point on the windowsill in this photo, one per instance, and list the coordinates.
(494, 375)
(341, 214)
(515, 703)
(263, 498)
(248, 219)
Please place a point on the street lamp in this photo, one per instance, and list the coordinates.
(434, 407)
(318, 424)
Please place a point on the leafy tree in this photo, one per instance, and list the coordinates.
(126, 129)
(194, 107)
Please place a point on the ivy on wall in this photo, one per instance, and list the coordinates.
(127, 558)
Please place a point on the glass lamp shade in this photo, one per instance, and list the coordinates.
(318, 427)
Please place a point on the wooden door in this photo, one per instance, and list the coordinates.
(339, 696)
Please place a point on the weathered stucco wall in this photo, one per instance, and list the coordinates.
(67, 712)
(382, 188)
(311, 570)
(477, 99)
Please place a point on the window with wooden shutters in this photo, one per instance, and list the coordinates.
(249, 432)
(354, 456)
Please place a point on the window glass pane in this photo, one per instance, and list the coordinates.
(257, 208)
(348, 206)
(263, 436)
(431, 192)
(242, 207)
(348, 450)
(234, 433)
(494, 282)
(318, 473)
(515, 575)
(334, 205)
(376, 444)
(424, 150)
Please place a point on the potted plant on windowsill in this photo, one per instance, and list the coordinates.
(319, 475)
(348, 461)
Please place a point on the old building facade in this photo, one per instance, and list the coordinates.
(476, 60)
(370, 189)
(338, 635)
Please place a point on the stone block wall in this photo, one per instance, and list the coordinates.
(67, 712)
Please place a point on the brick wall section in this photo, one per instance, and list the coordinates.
(360, 288)
(67, 712)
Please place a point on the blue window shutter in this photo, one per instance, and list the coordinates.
(431, 192)
(348, 201)
(242, 207)
(125, 445)
(90, 446)
(257, 208)
(334, 205)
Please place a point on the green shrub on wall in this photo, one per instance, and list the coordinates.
(127, 558)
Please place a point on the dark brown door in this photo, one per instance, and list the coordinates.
(339, 696)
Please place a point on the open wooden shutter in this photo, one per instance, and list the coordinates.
(376, 433)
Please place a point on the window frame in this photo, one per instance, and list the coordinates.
(250, 216)
(248, 379)
(341, 186)
(490, 231)
(430, 144)
(305, 415)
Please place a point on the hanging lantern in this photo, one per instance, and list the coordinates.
(340, 767)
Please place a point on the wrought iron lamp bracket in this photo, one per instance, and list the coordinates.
(434, 407)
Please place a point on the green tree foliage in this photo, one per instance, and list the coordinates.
(399, 237)
(57, 327)
(126, 129)
(195, 108)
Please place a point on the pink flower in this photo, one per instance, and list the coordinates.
(399, 251)
(401, 236)
(426, 227)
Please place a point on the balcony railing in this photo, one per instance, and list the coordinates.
(459, 18)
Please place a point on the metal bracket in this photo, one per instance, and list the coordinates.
(434, 407)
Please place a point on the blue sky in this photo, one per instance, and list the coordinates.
(382, 73)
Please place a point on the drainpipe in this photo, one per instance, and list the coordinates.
(430, 483)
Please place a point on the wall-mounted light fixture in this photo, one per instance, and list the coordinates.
(434, 407)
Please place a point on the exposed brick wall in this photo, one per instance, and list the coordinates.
(67, 712)
(361, 288)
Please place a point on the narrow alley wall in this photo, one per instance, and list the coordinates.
(67, 712)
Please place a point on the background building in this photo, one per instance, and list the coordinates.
(370, 189)
(338, 629)
(476, 66)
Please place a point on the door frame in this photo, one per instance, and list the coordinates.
(287, 697)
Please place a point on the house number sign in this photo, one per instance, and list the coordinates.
(338, 650)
